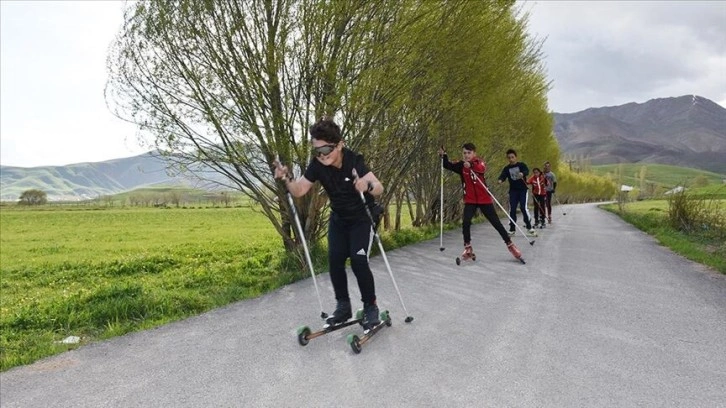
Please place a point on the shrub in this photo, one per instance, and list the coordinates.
(693, 214)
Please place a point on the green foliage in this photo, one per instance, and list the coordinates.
(241, 82)
(33, 197)
(696, 215)
(583, 187)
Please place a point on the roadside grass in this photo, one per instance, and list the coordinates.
(99, 273)
(651, 216)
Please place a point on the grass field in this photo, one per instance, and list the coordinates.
(660, 174)
(97, 274)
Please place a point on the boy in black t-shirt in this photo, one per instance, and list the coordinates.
(516, 172)
(350, 233)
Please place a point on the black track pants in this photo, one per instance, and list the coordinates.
(350, 240)
(491, 216)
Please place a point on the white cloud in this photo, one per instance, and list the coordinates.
(610, 53)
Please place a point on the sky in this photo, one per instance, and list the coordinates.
(604, 53)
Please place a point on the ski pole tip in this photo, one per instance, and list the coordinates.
(531, 242)
(409, 319)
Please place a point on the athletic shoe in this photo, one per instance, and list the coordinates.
(532, 231)
(512, 233)
(370, 316)
(341, 314)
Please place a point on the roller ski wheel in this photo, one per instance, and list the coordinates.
(516, 253)
(304, 334)
(356, 343)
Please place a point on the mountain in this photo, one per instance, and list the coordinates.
(688, 131)
(90, 180)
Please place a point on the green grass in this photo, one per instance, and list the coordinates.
(651, 216)
(660, 174)
(97, 274)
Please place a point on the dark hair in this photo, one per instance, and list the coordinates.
(536, 169)
(511, 151)
(325, 129)
(547, 162)
(469, 146)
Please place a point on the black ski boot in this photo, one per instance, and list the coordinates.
(341, 314)
(370, 316)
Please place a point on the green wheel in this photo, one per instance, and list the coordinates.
(354, 342)
(386, 318)
(359, 315)
(302, 335)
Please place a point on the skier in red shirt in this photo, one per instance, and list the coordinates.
(539, 191)
(476, 195)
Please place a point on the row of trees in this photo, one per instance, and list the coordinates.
(233, 85)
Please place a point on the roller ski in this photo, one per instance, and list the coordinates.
(466, 255)
(372, 324)
(341, 318)
(515, 252)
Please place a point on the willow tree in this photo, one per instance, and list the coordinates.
(227, 87)
(478, 78)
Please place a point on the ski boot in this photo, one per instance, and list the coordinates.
(515, 252)
(466, 255)
(370, 316)
(512, 233)
(532, 231)
(341, 314)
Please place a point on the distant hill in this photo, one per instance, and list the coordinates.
(687, 131)
(90, 180)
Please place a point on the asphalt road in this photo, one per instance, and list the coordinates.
(600, 316)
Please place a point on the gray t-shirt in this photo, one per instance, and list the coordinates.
(551, 180)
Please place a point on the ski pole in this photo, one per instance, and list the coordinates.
(441, 202)
(560, 204)
(409, 318)
(301, 236)
(503, 210)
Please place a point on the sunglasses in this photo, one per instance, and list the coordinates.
(324, 150)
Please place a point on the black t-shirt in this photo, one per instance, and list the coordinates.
(338, 183)
(511, 173)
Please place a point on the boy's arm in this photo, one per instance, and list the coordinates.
(502, 175)
(455, 167)
(524, 169)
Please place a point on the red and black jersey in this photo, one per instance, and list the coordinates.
(472, 179)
